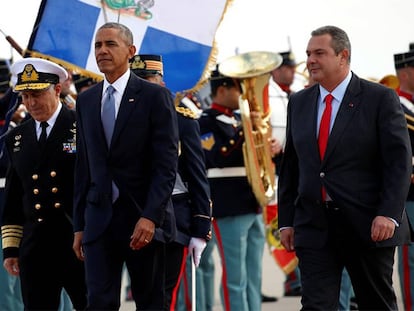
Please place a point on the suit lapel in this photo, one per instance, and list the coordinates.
(128, 104)
(93, 110)
(348, 107)
(309, 112)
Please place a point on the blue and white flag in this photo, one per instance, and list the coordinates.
(182, 31)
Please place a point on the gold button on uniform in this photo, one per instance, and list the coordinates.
(223, 149)
(53, 173)
(39, 219)
(38, 206)
(54, 189)
(35, 176)
(231, 141)
(36, 191)
(57, 205)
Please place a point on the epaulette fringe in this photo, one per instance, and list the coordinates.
(186, 112)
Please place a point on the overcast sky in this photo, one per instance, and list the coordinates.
(377, 28)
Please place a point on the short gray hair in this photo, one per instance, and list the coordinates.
(124, 31)
(340, 40)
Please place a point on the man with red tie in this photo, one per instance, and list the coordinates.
(341, 196)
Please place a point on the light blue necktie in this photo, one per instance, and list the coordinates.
(108, 122)
(108, 114)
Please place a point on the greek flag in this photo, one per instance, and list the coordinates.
(182, 31)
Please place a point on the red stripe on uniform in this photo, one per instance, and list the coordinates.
(177, 286)
(226, 295)
(406, 274)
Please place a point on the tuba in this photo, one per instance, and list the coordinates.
(390, 81)
(253, 69)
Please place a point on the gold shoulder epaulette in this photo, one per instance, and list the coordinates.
(186, 112)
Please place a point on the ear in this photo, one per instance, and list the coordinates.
(345, 55)
(221, 90)
(58, 89)
(132, 51)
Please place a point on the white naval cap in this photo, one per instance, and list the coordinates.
(36, 74)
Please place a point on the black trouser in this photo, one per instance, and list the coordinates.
(105, 259)
(175, 260)
(370, 270)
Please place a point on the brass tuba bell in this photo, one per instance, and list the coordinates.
(390, 81)
(253, 69)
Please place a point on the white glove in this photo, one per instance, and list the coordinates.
(195, 248)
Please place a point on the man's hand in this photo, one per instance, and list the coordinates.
(143, 233)
(275, 147)
(382, 228)
(287, 238)
(12, 265)
(196, 248)
(77, 245)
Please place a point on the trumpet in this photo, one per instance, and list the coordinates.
(253, 70)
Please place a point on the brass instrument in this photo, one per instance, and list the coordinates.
(253, 70)
(391, 81)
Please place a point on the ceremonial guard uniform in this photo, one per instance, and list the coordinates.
(37, 225)
(404, 65)
(238, 224)
(191, 194)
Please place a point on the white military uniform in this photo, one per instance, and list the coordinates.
(278, 101)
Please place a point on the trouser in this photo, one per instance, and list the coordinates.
(406, 265)
(10, 293)
(240, 240)
(204, 283)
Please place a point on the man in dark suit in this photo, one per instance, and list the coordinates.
(37, 218)
(123, 181)
(344, 206)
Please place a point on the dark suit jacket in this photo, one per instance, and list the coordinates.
(366, 169)
(141, 160)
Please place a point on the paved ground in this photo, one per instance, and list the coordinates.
(272, 285)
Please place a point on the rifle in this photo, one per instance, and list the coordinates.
(13, 43)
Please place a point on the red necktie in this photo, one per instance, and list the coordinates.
(324, 131)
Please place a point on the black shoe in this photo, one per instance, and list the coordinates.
(294, 292)
(268, 298)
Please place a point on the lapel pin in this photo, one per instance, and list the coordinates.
(131, 100)
(351, 105)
